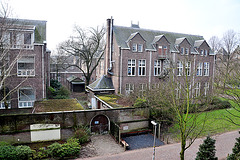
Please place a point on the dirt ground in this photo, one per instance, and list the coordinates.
(100, 145)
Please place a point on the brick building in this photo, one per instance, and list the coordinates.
(137, 58)
(25, 46)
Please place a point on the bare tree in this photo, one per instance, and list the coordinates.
(215, 44)
(87, 45)
(7, 61)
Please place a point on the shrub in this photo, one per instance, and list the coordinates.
(24, 152)
(8, 152)
(235, 151)
(140, 102)
(55, 84)
(63, 93)
(207, 150)
(54, 149)
(40, 154)
(82, 133)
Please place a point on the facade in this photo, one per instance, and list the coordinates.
(138, 59)
(27, 62)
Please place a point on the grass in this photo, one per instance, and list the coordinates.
(53, 105)
(216, 122)
(112, 99)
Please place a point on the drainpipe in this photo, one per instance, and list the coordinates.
(43, 77)
(110, 47)
(120, 88)
(150, 70)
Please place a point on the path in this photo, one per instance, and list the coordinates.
(224, 145)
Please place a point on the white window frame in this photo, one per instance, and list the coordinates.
(140, 47)
(27, 103)
(129, 88)
(186, 51)
(131, 67)
(157, 67)
(206, 69)
(17, 40)
(206, 88)
(26, 72)
(178, 90)
(2, 105)
(142, 67)
(164, 49)
(199, 69)
(188, 68)
(134, 47)
(205, 52)
(201, 52)
(142, 88)
(179, 68)
(197, 89)
(182, 50)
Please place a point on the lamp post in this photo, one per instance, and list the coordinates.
(154, 140)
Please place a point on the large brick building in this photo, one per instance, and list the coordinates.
(25, 46)
(138, 58)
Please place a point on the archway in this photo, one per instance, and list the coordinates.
(100, 124)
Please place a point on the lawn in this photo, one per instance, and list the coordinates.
(53, 105)
(216, 122)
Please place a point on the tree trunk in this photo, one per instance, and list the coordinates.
(183, 145)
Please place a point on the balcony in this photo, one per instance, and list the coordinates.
(26, 72)
(22, 46)
(25, 104)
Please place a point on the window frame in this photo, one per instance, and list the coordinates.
(206, 88)
(157, 67)
(188, 68)
(179, 68)
(129, 88)
(197, 89)
(182, 50)
(206, 69)
(27, 70)
(139, 49)
(134, 47)
(31, 102)
(131, 66)
(142, 67)
(199, 69)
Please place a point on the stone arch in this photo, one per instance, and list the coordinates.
(100, 124)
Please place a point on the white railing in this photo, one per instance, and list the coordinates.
(25, 104)
(26, 72)
(22, 46)
(2, 105)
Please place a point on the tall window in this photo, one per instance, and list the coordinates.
(131, 67)
(129, 88)
(178, 90)
(134, 47)
(206, 69)
(142, 67)
(21, 40)
(186, 51)
(142, 89)
(27, 38)
(206, 88)
(140, 48)
(26, 97)
(202, 52)
(164, 49)
(206, 52)
(199, 69)
(157, 67)
(179, 68)
(182, 51)
(197, 89)
(26, 66)
(188, 68)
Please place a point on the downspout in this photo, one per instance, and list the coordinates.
(110, 48)
(120, 83)
(150, 70)
(213, 71)
(194, 71)
(43, 71)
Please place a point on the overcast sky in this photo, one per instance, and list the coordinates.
(201, 17)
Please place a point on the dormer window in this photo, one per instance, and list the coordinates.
(202, 52)
(20, 40)
(164, 49)
(186, 51)
(182, 51)
(206, 52)
(27, 38)
(137, 47)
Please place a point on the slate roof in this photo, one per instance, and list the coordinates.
(123, 34)
(103, 83)
(198, 43)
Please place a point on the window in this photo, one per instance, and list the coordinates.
(142, 67)
(27, 38)
(186, 51)
(197, 89)
(206, 88)
(182, 51)
(178, 90)
(179, 68)
(157, 68)
(201, 52)
(164, 49)
(26, 66)
(188, 68)
(20, 40)
(134, 47)
(26, 97)
(160, 49)
(155, 85)
(129, 88)
(3, 97)
(206, 52)
(131, 67)
(206, 69)
(140, 48)
(199, 69)
(142, 89)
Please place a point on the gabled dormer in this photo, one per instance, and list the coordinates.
(183, 45)
(162, 46)
(202, 47)
(136, 42)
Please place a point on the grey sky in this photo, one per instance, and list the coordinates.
(201, 17)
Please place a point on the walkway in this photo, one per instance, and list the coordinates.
(224, 145)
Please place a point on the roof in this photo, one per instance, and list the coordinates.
(122, 34)
(101, 84)
(38, 26)
(198, 43)
(75, 79)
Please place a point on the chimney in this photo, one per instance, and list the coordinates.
(108, 52)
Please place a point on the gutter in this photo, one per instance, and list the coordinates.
(103, 102)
